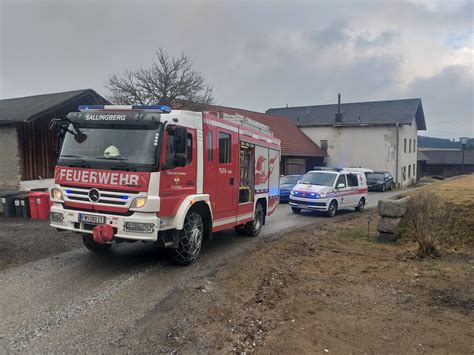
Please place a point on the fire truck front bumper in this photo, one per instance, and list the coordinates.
(138, 226)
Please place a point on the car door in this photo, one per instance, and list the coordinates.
(341, 192)
(352, 197)
(388, 180)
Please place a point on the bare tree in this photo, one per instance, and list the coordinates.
(169, 81)
(430, 221)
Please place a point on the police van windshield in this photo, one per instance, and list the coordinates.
(108, 145)
(318, 178)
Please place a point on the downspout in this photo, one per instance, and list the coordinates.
(396, 163)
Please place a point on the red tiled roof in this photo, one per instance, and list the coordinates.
(293, 141)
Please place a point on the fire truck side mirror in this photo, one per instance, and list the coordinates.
(180, 140)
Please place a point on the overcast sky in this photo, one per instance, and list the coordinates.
(256, 54)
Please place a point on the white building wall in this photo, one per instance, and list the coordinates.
(368, 147)
(9, 158)
(407, 166)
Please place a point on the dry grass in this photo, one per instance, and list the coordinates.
(458, 193)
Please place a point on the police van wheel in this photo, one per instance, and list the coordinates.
(92, 245)
(361, 205)
(296, 210)
(190, 240)
(332, 209)
(254, 227)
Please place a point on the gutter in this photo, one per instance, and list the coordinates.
(397, 161)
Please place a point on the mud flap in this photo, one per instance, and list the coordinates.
(103, 234)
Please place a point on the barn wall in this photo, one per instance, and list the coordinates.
(9, 158)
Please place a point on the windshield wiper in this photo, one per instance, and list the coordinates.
(121, 160)
(77, 157)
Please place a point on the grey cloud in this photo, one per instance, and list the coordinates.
(447, 97)
(334, 33)
(365, 41)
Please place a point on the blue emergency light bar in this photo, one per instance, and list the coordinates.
(162, 108)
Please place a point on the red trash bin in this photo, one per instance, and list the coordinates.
(39, 205)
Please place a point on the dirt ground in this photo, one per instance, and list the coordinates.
(324, 290)
(25, 240)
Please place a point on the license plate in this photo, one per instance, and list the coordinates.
(92, 219)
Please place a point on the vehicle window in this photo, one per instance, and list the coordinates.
(189, 148)
(352, 180)
(209, 146)
(317, 178)
(169, 146)
(224, 148)
(373, 177)
(341, 180)
(293, 179)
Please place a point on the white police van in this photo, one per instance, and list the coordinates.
(329, 190)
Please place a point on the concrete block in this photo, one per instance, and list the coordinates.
(388, 225)
(392, 208)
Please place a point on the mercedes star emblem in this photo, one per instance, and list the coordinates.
(94, 195)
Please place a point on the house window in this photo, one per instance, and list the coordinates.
(324, 145)
(224, 148)
(414, 175)
(409, 146)
(295, 166)
(405, 145)
(209, 146)
(404, 173)
(414, 146)
(409, 171)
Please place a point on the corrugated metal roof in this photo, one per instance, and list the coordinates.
(22, 109)
(358, 113)
(293, 141)
(448, 157)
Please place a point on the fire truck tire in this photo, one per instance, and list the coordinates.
(92, 245)
(190, 240)
(332, 209)
(361, 205)
(254, 227)
(296, 209)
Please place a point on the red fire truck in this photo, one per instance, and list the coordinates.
(147, 173)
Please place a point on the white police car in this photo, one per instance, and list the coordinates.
(329, 190)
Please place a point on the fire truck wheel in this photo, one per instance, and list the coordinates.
(92, 245)
(254, 227)
(190, 240)
(361, 205)
(296, 209)
(332, 209)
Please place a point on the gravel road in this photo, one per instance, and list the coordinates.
(78, 301)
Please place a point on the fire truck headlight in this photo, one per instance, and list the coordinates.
(139, 202)
(56, 194)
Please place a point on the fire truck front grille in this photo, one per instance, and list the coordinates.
(106, 196)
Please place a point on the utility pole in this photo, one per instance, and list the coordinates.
(463, 141)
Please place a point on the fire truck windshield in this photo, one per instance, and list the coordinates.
(108, 147)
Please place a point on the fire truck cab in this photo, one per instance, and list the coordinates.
(129, 173)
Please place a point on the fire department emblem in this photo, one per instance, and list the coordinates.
(176, 180)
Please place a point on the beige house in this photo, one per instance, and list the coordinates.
(379, 135)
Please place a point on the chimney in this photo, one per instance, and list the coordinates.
(339, 114)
